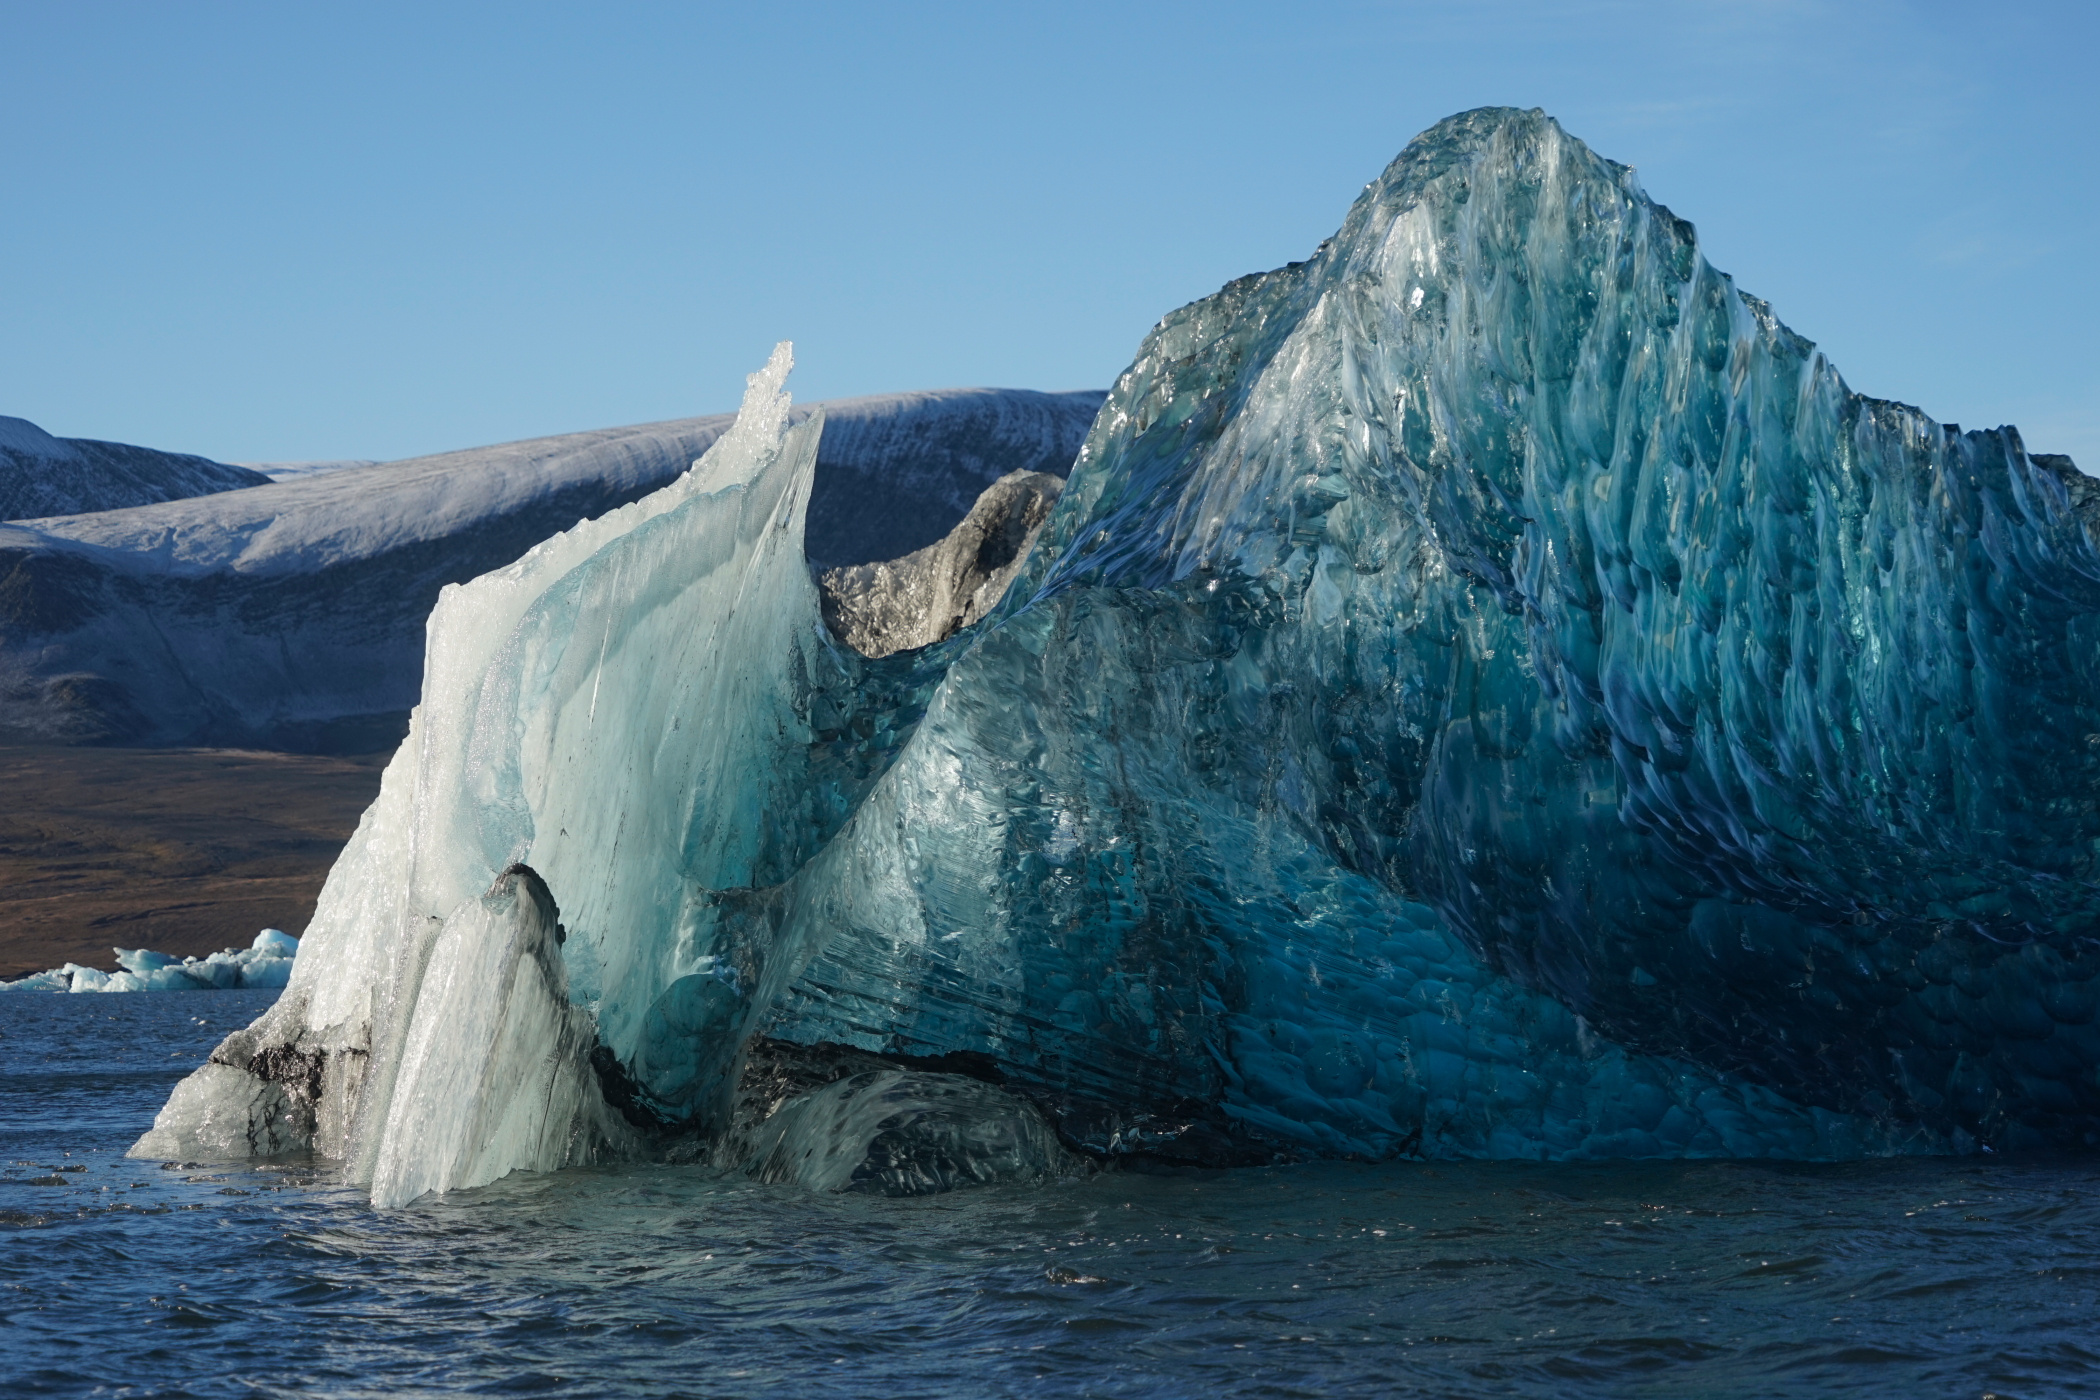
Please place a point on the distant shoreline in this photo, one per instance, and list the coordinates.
(185, 851)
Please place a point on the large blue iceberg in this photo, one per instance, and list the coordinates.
(1488, 690)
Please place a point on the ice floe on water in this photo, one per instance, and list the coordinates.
(265, 963)
(1488, 691)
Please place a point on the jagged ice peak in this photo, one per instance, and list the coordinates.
(1489, 689)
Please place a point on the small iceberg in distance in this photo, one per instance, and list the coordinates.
(265, 963)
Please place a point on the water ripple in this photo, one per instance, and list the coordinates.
(1907, 1278)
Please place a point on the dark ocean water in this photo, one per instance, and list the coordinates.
(1916, 1278)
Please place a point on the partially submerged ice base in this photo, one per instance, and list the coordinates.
(1489, 690)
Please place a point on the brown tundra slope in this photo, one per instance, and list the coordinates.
(183, 850)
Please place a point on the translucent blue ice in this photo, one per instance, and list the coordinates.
(1487, 690)
(1491, 688)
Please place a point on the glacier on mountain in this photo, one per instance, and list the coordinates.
(1489, 690)
(291, 616)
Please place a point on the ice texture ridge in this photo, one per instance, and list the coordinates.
(1489, 689)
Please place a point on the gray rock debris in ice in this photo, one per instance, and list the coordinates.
(42, 475)
(932, 593)
(222, 1113)
(293, 471)
(895, 473)
(291, 616)
(894, 1132)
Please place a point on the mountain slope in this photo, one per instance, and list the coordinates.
(291, 615)
(42, 475)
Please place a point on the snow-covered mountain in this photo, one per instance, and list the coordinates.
(291, 615)
(43, 475)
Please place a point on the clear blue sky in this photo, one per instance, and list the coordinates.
(271, 231)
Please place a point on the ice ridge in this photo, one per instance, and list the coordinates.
(1489, 689)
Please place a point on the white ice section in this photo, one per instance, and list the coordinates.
(494, 1076)
(265, 964)
(615, 710)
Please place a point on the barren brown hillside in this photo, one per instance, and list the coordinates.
(183, 850)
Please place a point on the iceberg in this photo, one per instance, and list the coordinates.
(1487, 690)
(266, 963)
